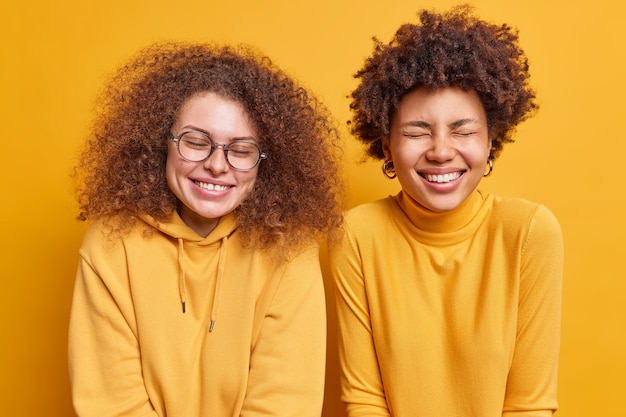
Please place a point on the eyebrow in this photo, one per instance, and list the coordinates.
(416, 123)
(426, 125)
(461, 122)
(188, 128)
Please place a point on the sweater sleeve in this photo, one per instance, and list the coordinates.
(532, 382)
(104, 361)
(361, 384)
(287, 363)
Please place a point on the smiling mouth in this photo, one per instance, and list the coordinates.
(212, 187)
(442, 178)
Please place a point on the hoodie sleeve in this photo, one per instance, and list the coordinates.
(287, 363)
(104, 360)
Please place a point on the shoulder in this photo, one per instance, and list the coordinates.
(303, 267)
(104, 238)
(97, 234)
(520, 216)
(274, 260)
(523, 210)
(370, 213)
(364, 224)
(369, 220)
(303, 257)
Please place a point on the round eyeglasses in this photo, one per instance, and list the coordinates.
(196, 146)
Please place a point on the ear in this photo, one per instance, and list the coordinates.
(386, 151)
(489, 143)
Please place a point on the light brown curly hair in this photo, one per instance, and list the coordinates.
(121, 171)
(453, 49)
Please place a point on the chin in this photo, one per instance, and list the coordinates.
(442, 207)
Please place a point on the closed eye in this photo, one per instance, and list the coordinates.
(196, 144)
(416, 135)
(464, 134)
(241, 151)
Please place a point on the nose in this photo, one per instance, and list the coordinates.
(216, 162)
(441, 149)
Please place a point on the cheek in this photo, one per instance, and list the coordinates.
(247, 183)
(250, 181)
(484, 152)
(405, 155)
(170, 178)
(170, 170)
(175, 165)
(175, 172)
(476, 152)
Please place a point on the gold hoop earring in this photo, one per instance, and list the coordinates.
(388, 170)
(490, 164)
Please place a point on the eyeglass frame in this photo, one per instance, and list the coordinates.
(215, 146)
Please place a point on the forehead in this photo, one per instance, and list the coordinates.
(441, 104)
(215, 114)
(209, 101)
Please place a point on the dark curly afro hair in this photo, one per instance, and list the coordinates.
(121, 173)
(444, 50)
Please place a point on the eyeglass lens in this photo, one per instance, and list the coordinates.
(196, 146)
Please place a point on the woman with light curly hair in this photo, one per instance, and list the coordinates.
(448, 298)
(209, 177)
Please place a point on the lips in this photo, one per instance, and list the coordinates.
(442, 178)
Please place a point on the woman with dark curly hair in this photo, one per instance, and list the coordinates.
(448, 298)
(209, 176)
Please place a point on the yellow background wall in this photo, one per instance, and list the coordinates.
(570, 157)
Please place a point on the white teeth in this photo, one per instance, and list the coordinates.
(212, 187)
(443, 178)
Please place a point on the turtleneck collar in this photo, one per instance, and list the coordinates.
(457, 221)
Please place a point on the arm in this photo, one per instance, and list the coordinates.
(532, 382)
(361, 385)
(287, 363)
(104, 361)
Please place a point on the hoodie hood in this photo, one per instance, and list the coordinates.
(176, 228)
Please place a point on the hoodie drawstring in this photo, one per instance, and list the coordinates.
(181, 279)
(217, 295)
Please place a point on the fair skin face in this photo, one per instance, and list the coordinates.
(210, 189)
(439, 145)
